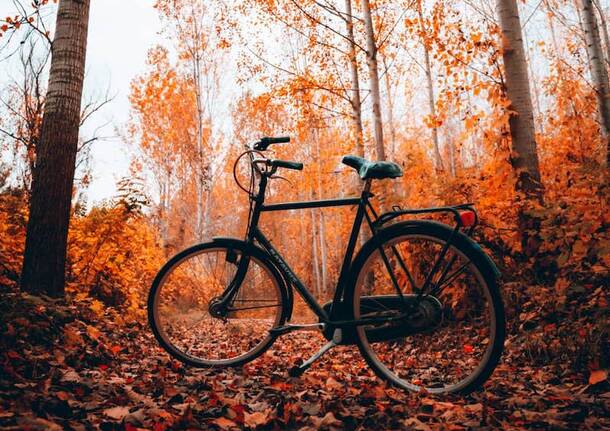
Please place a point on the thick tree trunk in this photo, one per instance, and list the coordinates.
(524, 155)
(430, 86)
(355, 98)
(597, 67)
(371, 59)
(47, 231)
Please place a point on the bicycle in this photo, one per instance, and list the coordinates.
(420, 299)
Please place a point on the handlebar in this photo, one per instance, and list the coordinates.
(264, 143)
(286, 164)
(257, 158)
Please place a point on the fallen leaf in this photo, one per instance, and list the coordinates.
(93, 332)
(327, 420)
(597, 376)
(224, 423)
(118, 412)
(255, 419)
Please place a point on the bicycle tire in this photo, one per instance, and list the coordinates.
(479, 261)
(243, 249)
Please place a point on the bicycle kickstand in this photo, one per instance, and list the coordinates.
(298, 370)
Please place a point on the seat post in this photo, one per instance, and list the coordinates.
(367, 186)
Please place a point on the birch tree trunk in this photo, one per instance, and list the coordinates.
(353, 63)
(371, 57)
(604, 27)
(532, 75)
(314, 250)
(524, 157)
(47, 230)
(321, 229)
(597, 67)
(199, 168)
(390, 105)
(430, 87)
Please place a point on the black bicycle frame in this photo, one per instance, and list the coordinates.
(254, 233)
(374, 222)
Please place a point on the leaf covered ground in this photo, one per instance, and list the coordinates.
(68, 365)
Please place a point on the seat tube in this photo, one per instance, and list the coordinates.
(349, 252)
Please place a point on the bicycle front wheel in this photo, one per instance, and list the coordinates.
(440, 318)
(183, 296)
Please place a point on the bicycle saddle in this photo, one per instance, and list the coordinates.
(376, 170)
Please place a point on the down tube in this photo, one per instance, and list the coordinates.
(292, 277)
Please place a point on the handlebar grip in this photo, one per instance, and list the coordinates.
(288, 165)
(275, 140)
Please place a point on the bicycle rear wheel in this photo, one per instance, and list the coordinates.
(446, 340)
(181, 304)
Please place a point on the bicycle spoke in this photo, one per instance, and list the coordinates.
(442, 341)
(188, 325)
(406, 270)
(439, 286)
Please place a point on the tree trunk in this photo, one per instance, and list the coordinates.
(356, 101)
(390, 122)
(524, 155)
(597, 67)
(199, 177)
(321, 229)
(431, 102)
(604, 27)
(207, 215)
(353, 63)
(47, 231)
(314, 251)
(534, 82)
(452, 151)
(371, 59)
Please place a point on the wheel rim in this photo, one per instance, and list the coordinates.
(181, 308)
(449, 358)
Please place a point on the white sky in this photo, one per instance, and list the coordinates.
(120, 34)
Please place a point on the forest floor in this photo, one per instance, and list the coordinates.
(70, 366)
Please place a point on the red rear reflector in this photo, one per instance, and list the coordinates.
(468, 218)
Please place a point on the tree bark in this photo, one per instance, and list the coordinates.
(321, 229)
(371, 57)
(353, 63)
(597, 67)
(604, 27)
(524, 155)
(44, 261)
(390, 105)
(430, 86)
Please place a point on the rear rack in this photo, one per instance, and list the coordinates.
(398, 211)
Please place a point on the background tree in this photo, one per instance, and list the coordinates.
(52, 183)
(597, 67)
(524, 155)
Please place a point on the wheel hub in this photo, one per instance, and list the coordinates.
(428, 314)
(217, 309)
